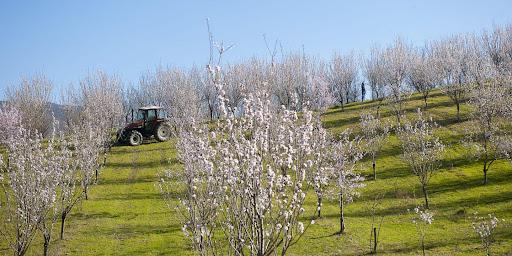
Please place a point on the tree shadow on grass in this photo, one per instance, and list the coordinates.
(437, 190)
(468, 239)
(466, 202)
(404, 170)
(391, 173)
(131, 196)
(128, 165)
(340, 122)
(469, 183)
(123, 181)
(141, 196)
(126, 231)
(98, 215)
(337, 233)
(121, 150)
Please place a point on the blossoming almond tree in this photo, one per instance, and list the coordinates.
(396, 61)
(345, 154)
(247, 177)
(422, 150)
(452, 56)
(374, 136)
(176, 91)
(101, 100)
(10, 118)
(323, 170)
(31, 180)
(32, 100)
(342, 73)
(489, 101)
(422, 219)
(88, 147)
(424, 72)
(485, 228)
(78, 171)
(59, 161)
(200, 203)
(374, 71)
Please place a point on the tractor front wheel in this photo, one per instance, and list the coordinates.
(163, 132)
(135, 138)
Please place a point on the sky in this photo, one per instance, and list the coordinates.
(66, 40)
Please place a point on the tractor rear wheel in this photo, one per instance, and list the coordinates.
(135, 138)
(163, 132)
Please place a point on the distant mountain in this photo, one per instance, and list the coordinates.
(58, 111)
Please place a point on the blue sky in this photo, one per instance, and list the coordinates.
(67, 39)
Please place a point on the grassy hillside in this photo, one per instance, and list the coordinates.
(125, 214)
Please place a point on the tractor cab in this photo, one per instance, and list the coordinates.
(145, 116)
(149, 113)
(147, 122)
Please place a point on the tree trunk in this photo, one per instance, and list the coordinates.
(374, 240)
(342, 217)
(319, 206)
(425, 100)
(85, 192)
(46, 244)
(458, 110)
(373, 167)
(425, 194)
(485, 172)
(63, 219)
(423, 245)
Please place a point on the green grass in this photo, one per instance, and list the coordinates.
(126, 215)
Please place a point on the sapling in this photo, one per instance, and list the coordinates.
(346, 154)
(485, 227)
(374, 135)
(422, 219)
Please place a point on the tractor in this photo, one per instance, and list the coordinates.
(149, 122)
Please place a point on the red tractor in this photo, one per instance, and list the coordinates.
(149, 122)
